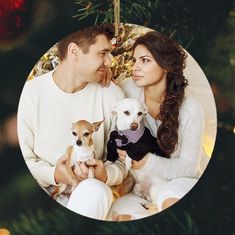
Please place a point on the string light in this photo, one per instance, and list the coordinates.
(227, 127)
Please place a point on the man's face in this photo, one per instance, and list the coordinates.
(93, 65)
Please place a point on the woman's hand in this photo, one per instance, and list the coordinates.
(121, 154)
(139, 164)
(135, 164)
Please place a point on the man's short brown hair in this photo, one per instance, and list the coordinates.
(84, 38)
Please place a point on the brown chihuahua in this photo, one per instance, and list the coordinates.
(81, 150)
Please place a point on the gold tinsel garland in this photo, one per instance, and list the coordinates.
(121, 61)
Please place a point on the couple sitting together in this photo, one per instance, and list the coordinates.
(75, 90)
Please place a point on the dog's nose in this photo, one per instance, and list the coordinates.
(134, 126)
(79, 142)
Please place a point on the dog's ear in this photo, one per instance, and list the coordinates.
(96, 125)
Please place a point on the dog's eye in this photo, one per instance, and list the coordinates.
(74, 133)
(127, 113)
(86, 134)
(139, 113)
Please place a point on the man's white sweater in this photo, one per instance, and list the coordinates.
(45, 117)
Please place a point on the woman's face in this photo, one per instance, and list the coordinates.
(146, 71)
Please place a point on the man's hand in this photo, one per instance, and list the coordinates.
(99, 169)
(81, 171)
(105, 82)
(61, 175)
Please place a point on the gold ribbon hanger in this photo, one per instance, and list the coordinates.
(116, 4)
(117, 26)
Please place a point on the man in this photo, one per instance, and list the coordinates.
(49, 105)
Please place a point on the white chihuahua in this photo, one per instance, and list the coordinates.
(132, 136)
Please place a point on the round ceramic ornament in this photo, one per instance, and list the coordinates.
(51, 135)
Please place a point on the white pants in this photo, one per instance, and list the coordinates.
(91, 198)
(132, 205)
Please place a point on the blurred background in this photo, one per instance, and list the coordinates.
(28, 28)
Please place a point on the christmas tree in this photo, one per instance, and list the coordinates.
(204, 28)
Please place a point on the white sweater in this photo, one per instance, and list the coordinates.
(45, 117)
(189, 158)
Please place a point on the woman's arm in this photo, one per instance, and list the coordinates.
(187, 161)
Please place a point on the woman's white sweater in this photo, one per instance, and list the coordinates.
(189, 158)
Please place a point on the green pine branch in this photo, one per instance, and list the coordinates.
(103, 11)
(58, 221)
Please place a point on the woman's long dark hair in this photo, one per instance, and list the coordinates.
(170, 56)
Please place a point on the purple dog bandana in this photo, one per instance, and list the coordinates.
(132, 136)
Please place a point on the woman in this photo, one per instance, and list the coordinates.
(176, 120)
